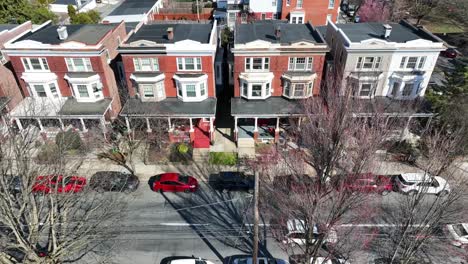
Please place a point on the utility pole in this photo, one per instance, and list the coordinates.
(256, 217)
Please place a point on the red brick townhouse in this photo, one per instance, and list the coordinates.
(65, 75)
(169, 70)
(276, 66)
(10, 93)
(315, 11)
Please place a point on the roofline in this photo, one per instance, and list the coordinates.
(341, 32)
(110, 32)
(19, 35)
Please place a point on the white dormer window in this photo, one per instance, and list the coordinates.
(35, 64)
(257, 64)
(300, 64)
(79, 64)
(146, 64)
(189, 64)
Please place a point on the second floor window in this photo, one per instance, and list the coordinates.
(189, 64)
(79, 64)
(299, 4)
(331, 3)
(146, 64)
(300, 64)
(35, 64)
(273, 2)
(368, 62)
(257, 64)
(412, 62)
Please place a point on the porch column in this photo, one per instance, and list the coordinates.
(277, 129)
(83, 125)
(62, 126)
(299, 123)
(211, 129)
(127, 122)
(102, 120)
(148, 127)
(235, 128)
(169, 122)
(40, 124)
(191, 131)
(191, 125)
(406, 129)
(255, 132)
(18, 123)
(400, 89)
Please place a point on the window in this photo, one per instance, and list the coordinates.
(299, 90)
(146, 64)
(422, 60)
(53, 90)
(97, 90)
(411, 62)
(244, 89)
(395, 89)
(299, 4)
(35, 64)
(257, 64)
(331, 3)
(147, 90)
(297, 19)
(407, 89)
(256, 90)
(329, 18)
(368, 62)
(191, 90)
(309, 89)
(294, 20)
(179, 90)
(79, 64)
(365, 90)
(273, 3)
(202, 89)
(299, 64)
(82, 90)
(275, 16)
(402, 63)
(267, 88)
(40, 90)
(189, 64)
(288, 2)
(263, 16)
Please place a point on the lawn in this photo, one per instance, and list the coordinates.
(441, 25)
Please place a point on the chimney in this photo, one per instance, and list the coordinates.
(170, 33)
(62, 32)
(388, 30)
(278, 32)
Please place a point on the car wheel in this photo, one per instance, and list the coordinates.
(412, 193)
(443, 193)
(385, 192)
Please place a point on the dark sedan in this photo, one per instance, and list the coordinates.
(228, 181)
(113, 181)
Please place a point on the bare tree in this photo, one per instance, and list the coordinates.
(58, 223)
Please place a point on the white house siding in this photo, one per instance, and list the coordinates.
(265, 6)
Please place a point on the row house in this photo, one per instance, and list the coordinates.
(317, 12)
(276, 66)
(10, 94)
(388, 63)
(169, 71)
(65, 74)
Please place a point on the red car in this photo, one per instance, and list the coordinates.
(449, 53)
(59, 183)
(369, 183)
(174, 182)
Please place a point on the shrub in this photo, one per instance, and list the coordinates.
(181, 152)
(48, 153)
(223, 158)
(68, 140)
(182, 148)
(409, 151)
(208, 5)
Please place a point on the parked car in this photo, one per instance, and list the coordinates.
(458, 234)
(13, 184)
(174, 182)
(449, 53)
(233, 181)
(260, 260)
(369, 183)
(113, 181)
(58, 183)
(296, 233)
(413, 183)
(190, 261)
(294, 183)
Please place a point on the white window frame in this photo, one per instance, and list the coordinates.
(294, 18)
(28, 65)
(138, 66)
(47, 89)
(93, 95)
(199, 85)
(418, 65)
(299, 3)
(308, 63)
(331, 4)
(181, 61)
(71, 64)
(371, 89)
(273, 3)
(266, 89)
(413, 84)
(290, 93)
(375, 64)
(249, 64)
(155, 86)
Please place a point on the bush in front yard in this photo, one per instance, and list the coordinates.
(223, 158)
(68, 140)
(407, 152)
(181, 152)
(48, 153)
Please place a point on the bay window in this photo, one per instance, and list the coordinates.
(88, 92)
(366, 89)
(192, 89)
(40, 90)
(78, 64)
(256, 90)
(297, 89)
(152, 91)
(146, 64)
(407, 89)
(300, 64)
(189, 64)
(44, 90)
(257, 64)
(35, 64)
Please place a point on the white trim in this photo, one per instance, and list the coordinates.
(249, 61)
(26, 61)
(92, 78)
(184, 64)
(292, 89)
(156, 78)
(92, 95)
(182, 84)
(70, 62)
(38, 77)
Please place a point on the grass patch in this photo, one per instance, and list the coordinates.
(223, 158)
(441, 25)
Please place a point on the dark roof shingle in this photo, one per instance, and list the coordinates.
(158, 33)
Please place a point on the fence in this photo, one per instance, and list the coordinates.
(181, 17)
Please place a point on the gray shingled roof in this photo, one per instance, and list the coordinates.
(170, 107)
(133, 7)
(401, 32)
(88, 34)
(158, 33)
(7, 26)
(265, 30)
(74, 108)
(273, 106)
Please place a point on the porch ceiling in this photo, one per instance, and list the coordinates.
(271, 107)
(170, 107)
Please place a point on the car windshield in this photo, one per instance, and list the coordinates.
(183, 179)
(460, 230)
(402, 180)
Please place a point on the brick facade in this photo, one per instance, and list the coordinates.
(315, 11)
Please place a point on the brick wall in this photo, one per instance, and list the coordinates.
(316, 11)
